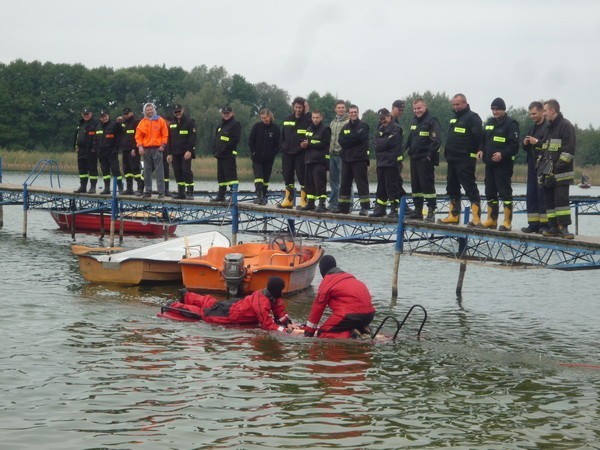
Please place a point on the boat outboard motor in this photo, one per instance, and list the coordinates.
(234, 271)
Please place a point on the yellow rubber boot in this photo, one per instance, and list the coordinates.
(453, 215)
(507, 224)
(492, 216)
(475, 215)
(303, 200)
(288, 200)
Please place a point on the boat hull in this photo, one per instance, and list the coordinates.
(296, 269)
(93, 222)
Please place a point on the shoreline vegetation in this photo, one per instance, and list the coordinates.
(205, 167)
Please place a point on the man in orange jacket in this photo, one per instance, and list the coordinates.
(151, 136)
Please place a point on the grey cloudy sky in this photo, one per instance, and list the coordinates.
(367, 51)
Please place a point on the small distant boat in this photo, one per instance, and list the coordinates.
(137, 222)
(585, 182)
(152, 263)
(245, 268)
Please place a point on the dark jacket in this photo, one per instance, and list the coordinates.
(538, 132)
(319, 138)
(107, 137)
(388, 145)
(127, 137)
(354, 140)
(227, 137)
(293, 133)
(424, 140)
(464, 135)
(84, 135)
(500, 135)
(264, 142)
(182, 136)
(559, 149)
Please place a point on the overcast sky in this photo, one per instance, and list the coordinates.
(367, 51)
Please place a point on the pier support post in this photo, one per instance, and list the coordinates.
(399, 247)
(235, 214)
(25, 208)
(462, 246)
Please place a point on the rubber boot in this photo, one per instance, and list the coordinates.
(288, 199)
(393, 214)
(263, 198)
(430, 215)
(378, 211)
(475, 215)
(303, 199)
(563, 232)
(106, 190)
(220, 194)
(120, 186)
(417, 213)
(140, 187)
(189, 194)
(364, 208)
(129, 190)
(310, 205)
(258, 190)
(92, 189)
(82, 186)
(168, 193)
(453, 215)
(344, 207)
(492, 216)
(321, 208)
(180, 195)
(508, 213)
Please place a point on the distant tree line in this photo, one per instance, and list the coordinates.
(40, 104)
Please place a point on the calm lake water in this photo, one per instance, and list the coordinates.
(91, 366)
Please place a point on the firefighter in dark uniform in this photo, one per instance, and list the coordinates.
(130, 154)
(181, 150)
(423, 148)
(464, 137)
(537, 221)
(316, 145)
(87, 159)
(388, 148)
(166, 171)
(292, 154)
(556, 171)
(354, 141)
(264, 142)
(106, 144)
(227, 138)
(498, 148)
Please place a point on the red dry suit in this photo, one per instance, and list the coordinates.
(251, 310)
(350, 304)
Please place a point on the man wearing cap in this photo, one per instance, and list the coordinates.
(335, 161)
(293, 155)
(464, 137)
(498, 148)
(128, 149)
(151, 136)
(398, 110)
(227, 138)
(181, 149)
(537, 221)
(423, 147)
(388, 148)
(264, 308)
(556, 171)
(87, 159)
(106, 145)
(354, 142)
(349, 300)
(316, 145)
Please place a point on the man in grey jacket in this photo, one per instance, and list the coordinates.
(335, 161)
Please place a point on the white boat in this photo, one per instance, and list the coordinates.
(152, 263)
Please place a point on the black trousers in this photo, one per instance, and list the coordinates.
(262, 171)
(536, 208)
(109, 163)
(131, 165)
(354, 171)
(422, 181)
(182, 168)
(166, 174)
(87, 165)
(316, 180)
(388, 185)
(462, 173)
(498, 182)
(227, 171)
(558, 207)
(293, 164)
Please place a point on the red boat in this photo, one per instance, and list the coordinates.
(139, 222)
